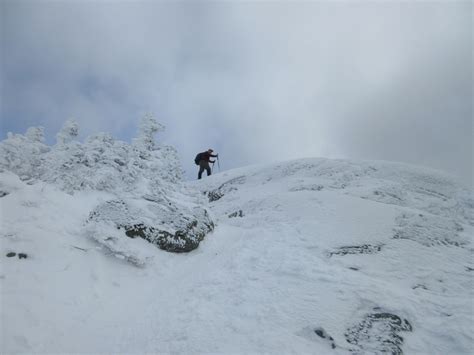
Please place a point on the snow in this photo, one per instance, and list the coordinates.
(347, 248)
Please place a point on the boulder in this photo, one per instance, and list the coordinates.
(168, 226)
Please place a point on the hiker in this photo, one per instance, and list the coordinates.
(203, 159)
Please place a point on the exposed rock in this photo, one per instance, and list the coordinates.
(180, 242)
(322, 334)
(357, 249)
(307, 188)
(20, 255)
(238, 213)
(214, 195)
(378, 333)
(3, 193)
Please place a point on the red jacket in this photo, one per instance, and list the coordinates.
(207, 156)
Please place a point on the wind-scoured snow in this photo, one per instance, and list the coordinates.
(307, 256)
(336, 243)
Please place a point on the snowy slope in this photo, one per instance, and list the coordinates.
(308, 256)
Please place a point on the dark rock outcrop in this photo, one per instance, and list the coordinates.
(323, 334)
(316, 187)
(238, 213)
(357, 249)
(181, 241)
(20, 255)
(378, 333)
(214, 195)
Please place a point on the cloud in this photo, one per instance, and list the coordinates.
(256, 81)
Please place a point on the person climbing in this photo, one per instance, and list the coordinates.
(203, 159)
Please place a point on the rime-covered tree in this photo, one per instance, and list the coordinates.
(68, 132)
(147, 129)
(100, 163)
(157, 162)
(23, 154)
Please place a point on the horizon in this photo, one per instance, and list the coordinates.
(257, 82)
(190, 177)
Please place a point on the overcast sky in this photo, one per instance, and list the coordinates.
(256, 81)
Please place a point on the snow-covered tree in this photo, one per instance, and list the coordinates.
(100, 163)
(157, 162)
(148, 128)
(68, 132)
(35, 134)
(23, 154)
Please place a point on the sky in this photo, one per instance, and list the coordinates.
(257, 81)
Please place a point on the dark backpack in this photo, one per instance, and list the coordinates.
(198, 158)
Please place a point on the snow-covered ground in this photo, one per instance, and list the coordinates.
(307, 256)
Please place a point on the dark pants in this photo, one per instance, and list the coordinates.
(204, 165)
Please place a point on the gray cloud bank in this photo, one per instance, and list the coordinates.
(257, 81)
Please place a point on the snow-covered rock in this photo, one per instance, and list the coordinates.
(169, 226)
